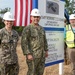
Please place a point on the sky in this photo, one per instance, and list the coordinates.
(7, 3)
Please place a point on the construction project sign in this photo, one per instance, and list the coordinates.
(52, 19)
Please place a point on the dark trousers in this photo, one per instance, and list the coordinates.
(71, 53)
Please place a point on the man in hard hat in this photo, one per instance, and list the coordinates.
(70, 41)
(8, 42)
(34, 45)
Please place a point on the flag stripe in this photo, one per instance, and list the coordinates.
(15, 2)
(30, 7)
(18, 14)
(28, 20)
(21, 12)
(24, 11)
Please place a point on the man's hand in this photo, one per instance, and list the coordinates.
(46, 54)
(29, 57)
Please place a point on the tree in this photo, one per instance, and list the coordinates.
(69, 5)
(2, 11)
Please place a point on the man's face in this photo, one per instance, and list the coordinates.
(35, 19)
(8, 24)
(72, 22)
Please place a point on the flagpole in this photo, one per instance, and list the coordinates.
(35, 4)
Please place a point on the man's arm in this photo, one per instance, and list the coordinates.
(46, 45)
(25, 41)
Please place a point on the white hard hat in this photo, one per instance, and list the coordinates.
(8, 16)
(35, 12)
(72, 16)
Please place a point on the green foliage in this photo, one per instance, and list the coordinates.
(19, 29)
(67, 3)
(70, 6)
(1, 23)
(2, 11)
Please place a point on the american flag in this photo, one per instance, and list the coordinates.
(22, 12)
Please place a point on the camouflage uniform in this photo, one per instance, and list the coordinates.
(34, 42)
(8, 57)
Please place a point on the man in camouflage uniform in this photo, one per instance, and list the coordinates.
(8, 42)
(34, 45)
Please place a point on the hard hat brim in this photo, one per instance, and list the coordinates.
(35, 15)
(9, 19)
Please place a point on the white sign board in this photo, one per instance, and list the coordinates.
(52, 19)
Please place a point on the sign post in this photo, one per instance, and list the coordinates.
(60, 68)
